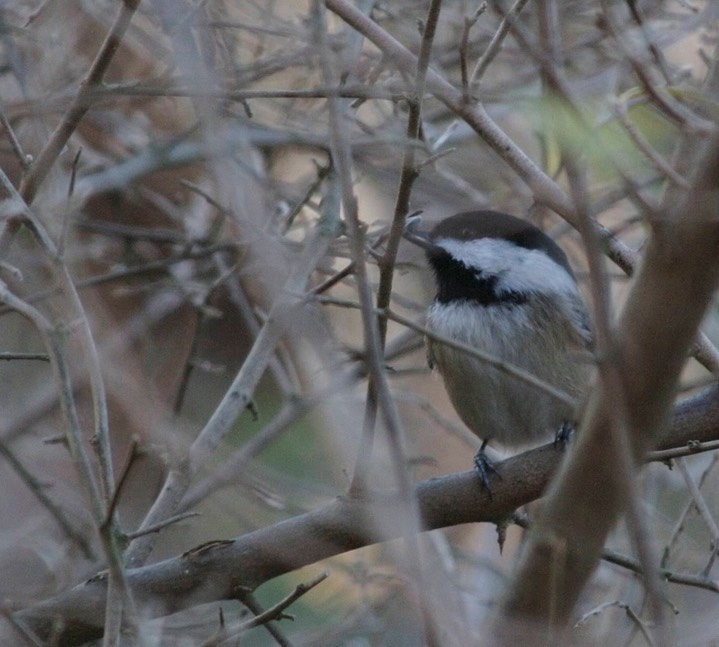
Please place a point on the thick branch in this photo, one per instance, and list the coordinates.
(217, 571)
(671, 292)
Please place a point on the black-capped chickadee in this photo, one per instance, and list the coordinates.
(505, 288)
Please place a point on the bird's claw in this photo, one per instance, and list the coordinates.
(484, 467)
(564, 435)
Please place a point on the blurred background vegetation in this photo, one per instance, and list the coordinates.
(181, 204)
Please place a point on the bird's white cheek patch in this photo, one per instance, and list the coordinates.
(517, 269)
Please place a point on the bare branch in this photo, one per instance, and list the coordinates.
(574, 521)
(342, 525)
(80, 104)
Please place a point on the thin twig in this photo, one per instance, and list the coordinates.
(23, 158)
(704, 511)
(661, 98)
(333, 280)
(239, 394)
(342, 158)
(219, 636)
(161, 525)
(657, 161)
(651, 45)
(80, 104)
(124, 472)
(631, 614)
(44, 357)
(28, 635)
(682, 517)
(137, 270)
(276, 610)
(250, 601)
(386, 262)
(120, 604)
(239, 299)
(614, 557)
(38, 489)
(97, 384)
(487, 358)
(464, 48)
(222, 211)
(54, 344)
(495, 45)
(68, 211)
(687, 579)
(688, 450)
(349, 91)
(201, 317)
(322, 173)
(233, 467)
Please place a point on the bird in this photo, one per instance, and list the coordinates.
(505, 288)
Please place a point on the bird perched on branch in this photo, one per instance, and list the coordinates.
(505, 289)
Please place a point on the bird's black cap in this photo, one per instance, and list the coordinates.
(470, 225)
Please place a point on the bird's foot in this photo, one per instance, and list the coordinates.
(484, 467)
(564, 435)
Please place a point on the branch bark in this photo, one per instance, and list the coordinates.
(671, 292)
(217, 570)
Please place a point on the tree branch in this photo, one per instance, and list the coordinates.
(215, 571)
(677, 278)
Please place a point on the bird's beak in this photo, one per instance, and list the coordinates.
(417, 236)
